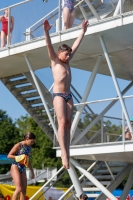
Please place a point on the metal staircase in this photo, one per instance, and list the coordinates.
(24, 90)
(110, 177)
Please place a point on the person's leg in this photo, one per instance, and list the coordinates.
(72, 17)
(3, 39)
(66, 17)
(60, 110)
(17, 181)
(69, 115)
(24, 186)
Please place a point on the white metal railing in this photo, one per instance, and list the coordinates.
(116, 5)
(9, 17)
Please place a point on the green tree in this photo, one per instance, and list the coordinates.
(9, 135)
(42, 152)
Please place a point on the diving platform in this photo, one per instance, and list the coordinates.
(116, 32)
(107, 49)
(113, 151)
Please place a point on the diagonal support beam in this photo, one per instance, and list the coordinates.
(85, 96)
(99, 116)
(93, 180)
(92, 9)
(115, 82)
(41, 94)
(127, 186)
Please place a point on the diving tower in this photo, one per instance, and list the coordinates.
(106, 49)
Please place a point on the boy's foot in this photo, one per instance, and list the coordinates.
(65, 162)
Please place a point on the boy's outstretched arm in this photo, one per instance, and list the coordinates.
(50, 48)
(79, 39)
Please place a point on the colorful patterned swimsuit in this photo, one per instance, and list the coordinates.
(69, 4)
(23, 150)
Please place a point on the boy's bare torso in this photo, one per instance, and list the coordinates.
(62, 76)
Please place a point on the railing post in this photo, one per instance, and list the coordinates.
(60, 8)
(9, 24)
(121, 6)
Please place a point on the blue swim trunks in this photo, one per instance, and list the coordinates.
(65, 96)
(69, 4)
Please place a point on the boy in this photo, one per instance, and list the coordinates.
(62, 98)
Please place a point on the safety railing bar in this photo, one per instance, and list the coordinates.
(14, 5)
(44, 17)
(78, 4)
(51, 185)
(42, 23)
(80, 178)
(97, 101)
(47, 182)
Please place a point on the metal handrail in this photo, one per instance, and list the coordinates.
(47, 182)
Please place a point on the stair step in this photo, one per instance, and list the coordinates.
(102, 182)
(37, 108)
(31, 102)
(105, 171)
(105, 177)
(17, 82)
(23, 89)
(28, 95)
(114, 164)
(91, 189)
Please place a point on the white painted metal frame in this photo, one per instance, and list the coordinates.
(85, 96)
(99, 117)
(41, 94)
(128, 186)
(80, 178)
(47, 183)
(115, 82)
(93, 179)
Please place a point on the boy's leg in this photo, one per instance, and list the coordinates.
(60, 110)
(69, 115)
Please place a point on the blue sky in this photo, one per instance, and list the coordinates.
(25, 16)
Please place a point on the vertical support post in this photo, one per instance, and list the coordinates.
(102, 136)
(60, 8)
(86, 93)
(121, 6)
(123, 126)
(93, 179)
(75, 180)
(92, 9)
(127, 186)
(115, 81)
(9, 24)
(28, 34)
(41, 95)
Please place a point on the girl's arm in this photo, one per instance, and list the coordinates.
(31, 169)
(15, 149)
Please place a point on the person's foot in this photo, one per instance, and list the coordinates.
(65, 162)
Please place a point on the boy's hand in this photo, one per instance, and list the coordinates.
(85, 24)
(47, 26)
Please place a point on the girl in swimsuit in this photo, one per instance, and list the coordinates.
(18, 169)
(4, 31)
(68, 13)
